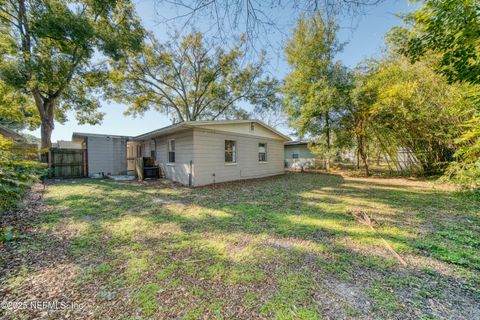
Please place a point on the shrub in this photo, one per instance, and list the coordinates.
(17, 172)
(464, 174)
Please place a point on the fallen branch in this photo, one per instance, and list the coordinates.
(363, 218)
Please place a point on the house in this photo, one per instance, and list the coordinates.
(12, 135)
(193, 153)
(298, 155)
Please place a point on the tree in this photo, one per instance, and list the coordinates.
(313, 88)
(254, 18)
(190, 79)
(51, 51)
(450, 28)
(414, 108)
(360, 114)
(17, 111)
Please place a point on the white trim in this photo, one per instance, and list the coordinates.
(231, 163)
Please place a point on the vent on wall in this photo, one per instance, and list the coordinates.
(252, 126)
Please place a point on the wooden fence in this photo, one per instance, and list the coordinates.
(67, 163)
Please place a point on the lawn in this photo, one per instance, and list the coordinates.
(285, 247)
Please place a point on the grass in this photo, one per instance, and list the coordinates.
(283, 247)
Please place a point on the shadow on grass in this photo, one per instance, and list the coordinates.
(157, 233)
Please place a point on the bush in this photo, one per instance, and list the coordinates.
(17, 172)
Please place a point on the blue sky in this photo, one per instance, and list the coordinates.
(366, 39)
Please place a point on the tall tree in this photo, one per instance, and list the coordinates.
(190, 79)
(313, 88)
(450, 28)
(414, 108)
(52, 51)
(17, 111)
(256, 18)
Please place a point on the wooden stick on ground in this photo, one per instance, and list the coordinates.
(363, 218)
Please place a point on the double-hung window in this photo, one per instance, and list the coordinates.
(262, 152)
(171, 151)
(153, 149)
(230, 151)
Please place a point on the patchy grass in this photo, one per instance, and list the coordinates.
(283, 247)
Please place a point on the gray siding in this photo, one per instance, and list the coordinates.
(302, 150)
(178, 171)
(209, 157)
(107, 155)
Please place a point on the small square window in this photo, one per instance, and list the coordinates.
(262, 152)
(230, 151)
(295, 156)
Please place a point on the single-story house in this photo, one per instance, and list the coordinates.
(12, 135)
(298, 155)
(193, 153)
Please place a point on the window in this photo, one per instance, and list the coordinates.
(153, 149)
(262, 152)
(295, 156)
(252, 126)
(171, 151)
(230, 151)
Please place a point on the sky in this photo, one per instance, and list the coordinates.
(364, 37)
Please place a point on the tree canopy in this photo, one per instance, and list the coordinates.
(52, 50)
(450, 28)
(190, 79)
(313, 88)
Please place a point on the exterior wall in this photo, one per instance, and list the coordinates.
(107, 155)
(305, 157)
(180, 170)
(242, 128)
(209, 157)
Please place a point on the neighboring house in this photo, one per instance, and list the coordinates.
(12, 135)
(195, 153)
(298, 155)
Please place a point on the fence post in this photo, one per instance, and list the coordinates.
(50, 160)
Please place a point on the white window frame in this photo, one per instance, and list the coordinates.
(266, 151)
(171, 150)
(233, 151)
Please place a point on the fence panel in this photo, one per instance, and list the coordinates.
(68, 163)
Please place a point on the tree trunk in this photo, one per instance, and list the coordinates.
(358, 156)
(46, 109)
(46, 129)
(365, 163)
(327, 128)
(363, 152)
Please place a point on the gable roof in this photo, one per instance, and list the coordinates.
(191, 124)
(8, 133)
(296, 143)
(80, 136)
